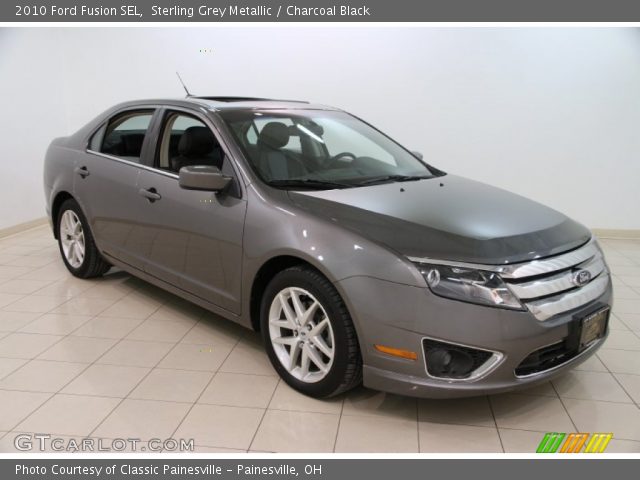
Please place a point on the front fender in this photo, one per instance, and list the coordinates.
(274, 227)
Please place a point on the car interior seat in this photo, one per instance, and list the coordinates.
(273, 163)
(197, 146)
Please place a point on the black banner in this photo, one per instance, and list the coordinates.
(320, 11)
(319, 469)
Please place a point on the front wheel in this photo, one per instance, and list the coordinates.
(78, 249)
(309, 335)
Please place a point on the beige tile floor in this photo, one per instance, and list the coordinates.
(116, 358)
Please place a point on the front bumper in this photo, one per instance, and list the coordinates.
(401, 316)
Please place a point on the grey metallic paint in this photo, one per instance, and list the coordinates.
(450, 218)
(209, 248)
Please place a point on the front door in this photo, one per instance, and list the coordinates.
(195, 237)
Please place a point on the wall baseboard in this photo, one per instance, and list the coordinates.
(617, 234)
(21, 227)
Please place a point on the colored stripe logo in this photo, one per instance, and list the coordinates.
(555, 442)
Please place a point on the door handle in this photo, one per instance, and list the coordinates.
(82, 171)
(151, 194)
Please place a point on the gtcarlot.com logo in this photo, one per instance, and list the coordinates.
(26, 442)
(574, 442)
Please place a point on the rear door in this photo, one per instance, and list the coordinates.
(106, 184)
(195, 237)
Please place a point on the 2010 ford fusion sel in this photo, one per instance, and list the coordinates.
(357, 261)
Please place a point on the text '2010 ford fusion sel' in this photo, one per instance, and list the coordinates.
(356, 260)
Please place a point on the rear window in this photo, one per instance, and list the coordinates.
(123, 135)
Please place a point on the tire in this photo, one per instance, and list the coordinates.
(327, 329)
(77, 246)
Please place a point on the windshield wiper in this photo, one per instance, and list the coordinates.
(392, 178)
(308, 183)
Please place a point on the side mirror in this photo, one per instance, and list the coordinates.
(418, 154)
(203, 177)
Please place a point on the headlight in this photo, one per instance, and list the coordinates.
(467, 285)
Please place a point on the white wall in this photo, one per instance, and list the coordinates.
(553, 114)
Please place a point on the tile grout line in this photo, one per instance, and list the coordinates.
(141, 379)
(565, 407)
(335, 440)
(264, 414)
(51, 395)
(31, 412)
(621, 385)
(417, 423)
(195, 402)
(495, 422)
(62, 337)
(14, 370)
(58, 392)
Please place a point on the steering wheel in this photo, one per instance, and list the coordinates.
(333, 161)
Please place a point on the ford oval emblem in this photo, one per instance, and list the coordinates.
(581, 278)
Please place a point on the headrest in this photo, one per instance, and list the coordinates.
(196, 142)
(274, 134)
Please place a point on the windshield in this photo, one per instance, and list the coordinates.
(320, 149)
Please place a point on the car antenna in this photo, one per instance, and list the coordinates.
(183, 85)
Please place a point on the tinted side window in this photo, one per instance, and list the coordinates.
(187, 141)
(125, 133)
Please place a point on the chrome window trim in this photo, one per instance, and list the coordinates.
(482, 371)
(525, 269)
(133, 164)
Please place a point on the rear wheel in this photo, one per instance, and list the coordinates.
(78, 249)
(309, 335)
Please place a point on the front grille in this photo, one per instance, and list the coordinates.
(546, 358)
(551, 286)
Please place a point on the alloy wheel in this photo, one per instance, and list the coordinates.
(301, 334)
(72, 238)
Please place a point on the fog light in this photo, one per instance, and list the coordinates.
(451, 361)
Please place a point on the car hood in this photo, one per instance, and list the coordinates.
(448, 218)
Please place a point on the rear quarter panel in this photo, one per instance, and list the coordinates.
(60, 160)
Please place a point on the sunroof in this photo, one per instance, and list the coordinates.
(234, 99)
(246, 99)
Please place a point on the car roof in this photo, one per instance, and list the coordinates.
(219, 103)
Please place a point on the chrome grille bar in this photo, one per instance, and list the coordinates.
(540, 267)
(557, 283)
(553, 290)
(549, 307)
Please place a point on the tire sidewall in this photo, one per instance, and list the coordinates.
(307, 281)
